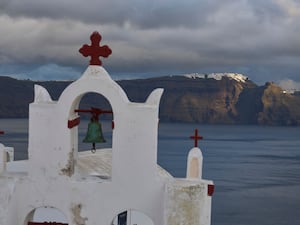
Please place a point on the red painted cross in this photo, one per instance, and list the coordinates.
(196, 137)
(95, 50)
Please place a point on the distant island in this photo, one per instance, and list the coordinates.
(217, 98)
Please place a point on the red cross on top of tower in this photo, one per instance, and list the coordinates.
(196, 137)
(95, 50)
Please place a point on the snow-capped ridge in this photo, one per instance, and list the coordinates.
(218, 76)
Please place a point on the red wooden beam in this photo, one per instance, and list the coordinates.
(210, 189)
(96, 111)
(112, 125)
(73, 123)
(46, 223)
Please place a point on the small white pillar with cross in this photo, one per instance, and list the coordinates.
(195, 159)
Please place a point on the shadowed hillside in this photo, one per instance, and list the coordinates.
(204, 100)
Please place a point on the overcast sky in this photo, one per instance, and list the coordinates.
(259, 38)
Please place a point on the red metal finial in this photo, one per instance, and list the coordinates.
(196, 138)
(95, 50)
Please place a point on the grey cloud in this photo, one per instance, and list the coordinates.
(266, 10)
(159, 37)
(142, 14)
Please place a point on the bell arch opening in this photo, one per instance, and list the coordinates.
(132, 217)
(46, 215)
(91, 139)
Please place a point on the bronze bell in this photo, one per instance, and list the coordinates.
(94, 133)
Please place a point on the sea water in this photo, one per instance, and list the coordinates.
(256, 169)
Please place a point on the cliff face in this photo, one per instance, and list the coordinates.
(14, 97)
(279, 108)
(213, 102)
(203, 100)
(224, 101)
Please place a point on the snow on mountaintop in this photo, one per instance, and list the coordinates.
(218, 76)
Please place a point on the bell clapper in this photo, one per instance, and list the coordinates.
(94, 148)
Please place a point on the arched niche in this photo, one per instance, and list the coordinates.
(128, 123)
(94, 80)
(132, 217)
(46, 214)
(96, 101)
(87, 164)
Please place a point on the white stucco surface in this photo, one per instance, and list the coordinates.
(194, 164)
(88, 188)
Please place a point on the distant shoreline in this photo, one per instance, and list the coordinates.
(222, 101)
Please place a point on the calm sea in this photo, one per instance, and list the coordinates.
(256, 170)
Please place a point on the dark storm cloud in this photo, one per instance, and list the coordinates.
(143, 14)
(260, 38)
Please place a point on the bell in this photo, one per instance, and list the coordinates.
(94, 133)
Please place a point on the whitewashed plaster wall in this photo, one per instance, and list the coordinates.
(134, 184)
(53, 154)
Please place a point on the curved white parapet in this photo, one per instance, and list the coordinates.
(2, 159)
(41, 94)
(6, 155)
(154, 97)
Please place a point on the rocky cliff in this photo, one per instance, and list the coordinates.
(209, 99)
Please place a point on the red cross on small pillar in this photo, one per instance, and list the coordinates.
(196, 137)
(95, 50)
